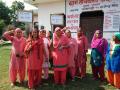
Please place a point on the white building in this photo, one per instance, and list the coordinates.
(90, 14)
(46, 8)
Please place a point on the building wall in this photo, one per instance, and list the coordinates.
(44, 11)
(110, 8)
(35, 18)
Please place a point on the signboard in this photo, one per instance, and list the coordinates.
(25, 16)
(57, 19)
(75, 7)
(112, 21)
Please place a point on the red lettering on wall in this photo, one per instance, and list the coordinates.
(72, 21)
(73, 27)
(75, 2)
(73, 16)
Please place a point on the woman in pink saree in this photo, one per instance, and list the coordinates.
(34, 51)
(73, 48)
(81, 56)
(17, 60)
(98, 53)
(60, 56)
(46, 63)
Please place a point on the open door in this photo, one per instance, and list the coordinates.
(91, 21)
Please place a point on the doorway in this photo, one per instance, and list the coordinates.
(90, 22)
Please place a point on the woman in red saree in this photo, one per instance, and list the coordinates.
(73, 49)
(60, 56)
(81, 56)
(34, 52)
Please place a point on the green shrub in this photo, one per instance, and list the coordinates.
(2, 25)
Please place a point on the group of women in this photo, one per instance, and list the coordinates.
(68, 55)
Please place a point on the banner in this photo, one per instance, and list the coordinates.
(75, 7)
(25, 16)
(111, 21)
(57, 19)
